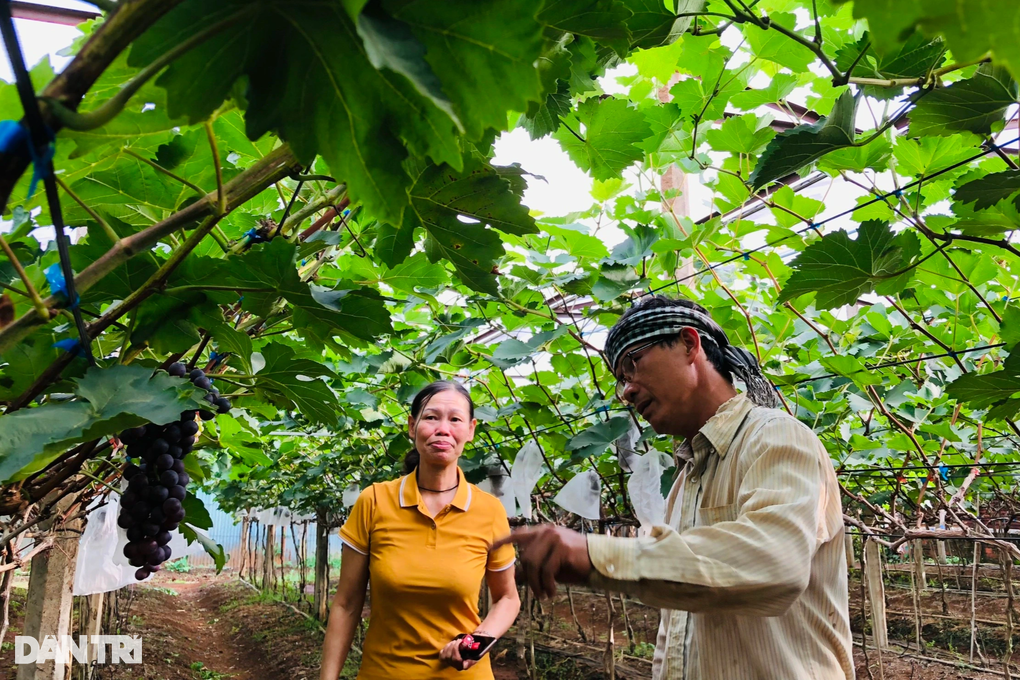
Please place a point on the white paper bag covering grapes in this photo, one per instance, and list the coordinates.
(645, 490)
(580, 495)
(526, 472)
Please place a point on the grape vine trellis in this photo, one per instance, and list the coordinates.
(299, 198)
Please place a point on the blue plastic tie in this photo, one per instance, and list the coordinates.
(747, 257)
(898, 193)
(70, 345)
(944, 472)
(58, 286)
(952, 354)
(254, 236)
(14, 139)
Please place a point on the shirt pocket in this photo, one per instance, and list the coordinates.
(719, 513)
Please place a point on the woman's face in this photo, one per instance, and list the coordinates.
(442, 428)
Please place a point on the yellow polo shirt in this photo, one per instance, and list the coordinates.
(425, 574)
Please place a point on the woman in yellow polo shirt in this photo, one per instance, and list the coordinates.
(423, 542)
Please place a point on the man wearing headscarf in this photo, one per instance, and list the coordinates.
(749, 565)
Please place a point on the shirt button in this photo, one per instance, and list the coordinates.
(610, 568)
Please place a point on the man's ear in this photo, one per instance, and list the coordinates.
(691, 340)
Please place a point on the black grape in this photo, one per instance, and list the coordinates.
(125, 520)
(141, 510)
(206, 415)
(150, 529)
(158, 494)
(135, 533)
(176, 452)
(153, 567)
(183, 479)
(170, 526)
(173, 433)
(147, 547)
(177, 516)
(129, 498)
(156, 515)
(166, 553)
(178, 467)
(189, 428)
(130, 470)
(139, 481)
(203, 383)
(178, 492)
(131, 551)
(188, 416)
(223, 405)
(164, 462)
(177, 369)
(210, 397)
(159, 446)
(187, 443)
(196, 373)
(171, 507)
(142, 573)
(163, 537)
(137, 562)
(169, 478)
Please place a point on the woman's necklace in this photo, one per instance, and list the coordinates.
(440, 490)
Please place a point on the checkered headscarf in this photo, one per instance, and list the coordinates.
(660, 322)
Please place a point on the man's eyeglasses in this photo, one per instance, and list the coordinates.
(628, 364)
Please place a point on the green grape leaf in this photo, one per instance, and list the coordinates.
(989, 389)
(789, 151)
(740, 134)
(602, 137)
(594, 440)
(652, 24)
(236, 342)
(109, 400)
(853, 368)
(604, 21)
(1009, 329)
(511, 352)
(986, 191)
(778, 89)
(457, 209)
(196, 512)
(775, 47)
(294, 383)
(971, 105)
(214, 549)
(971, 28)
(839, 269)
(439, 346)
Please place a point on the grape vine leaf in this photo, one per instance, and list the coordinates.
(971, 105)
(839, 269)
(293, 383)
(996, 389)
(652, 24)
(214, 549)
(791, 150)
(511, 352)
(196, 512)
(607, 143)
(456, 209)
(971, 28)
(772, 45)
(110, 399)
(594, 440)
(1009, 329)
(740, 134)
(986, 191)
(604, 21)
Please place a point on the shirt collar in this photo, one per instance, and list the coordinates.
(721, 428)
(410, 496)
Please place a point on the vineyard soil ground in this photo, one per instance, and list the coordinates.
(199, 626)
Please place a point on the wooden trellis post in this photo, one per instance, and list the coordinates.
(321, 588)
(876, 592)
(917, 553)
(48, 607)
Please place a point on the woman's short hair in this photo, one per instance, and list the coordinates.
(423, 397)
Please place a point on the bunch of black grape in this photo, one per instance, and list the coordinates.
(157, 484)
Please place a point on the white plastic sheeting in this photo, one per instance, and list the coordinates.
(580, 495)
(101, 565)
(502, 487)
(524, 475)
(350, 495)
(645, 489)
(626, 448)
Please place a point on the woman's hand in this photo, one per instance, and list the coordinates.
(450, 655)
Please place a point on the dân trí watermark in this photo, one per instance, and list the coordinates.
(60, 650)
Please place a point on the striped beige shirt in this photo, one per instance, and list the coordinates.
(751, 569)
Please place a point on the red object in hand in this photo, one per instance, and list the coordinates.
(468, 643)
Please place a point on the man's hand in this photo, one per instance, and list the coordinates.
(550, 554)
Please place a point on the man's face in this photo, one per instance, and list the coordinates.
(662, 383)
